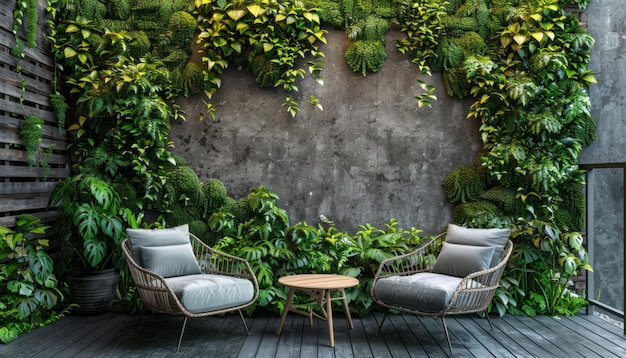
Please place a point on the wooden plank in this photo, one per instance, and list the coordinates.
(50, 132)
(27, 187)
(37, 76)
(291, 337)
(34, 94)
(16, 205)
(42, 340)
(15, 107)
(496, 342)
(258, 326)
(310, 342)
(375, 340)
(47, 218)
(33, 172)
(21, 156)
(75, 343)
(429, 333)
(582, 343)
(154, 330)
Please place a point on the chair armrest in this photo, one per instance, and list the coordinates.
(476, 290)
(143, 278)
(419, 260)
(216, 262)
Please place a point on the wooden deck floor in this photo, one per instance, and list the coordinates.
(119, 335)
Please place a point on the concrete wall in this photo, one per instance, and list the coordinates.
(370, 155)
(607, 24)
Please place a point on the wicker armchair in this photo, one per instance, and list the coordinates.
(410, 283)
(164, 294)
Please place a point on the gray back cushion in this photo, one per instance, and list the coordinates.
(495, 238)
(156, 237)
(170, 260)
(462, 260)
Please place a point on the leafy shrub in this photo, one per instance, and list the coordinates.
(139, 44)
(182, 26)
(28, 287)
(365, 56)
(193, 79)
(464, 184)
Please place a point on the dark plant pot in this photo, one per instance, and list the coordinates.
(93, 292)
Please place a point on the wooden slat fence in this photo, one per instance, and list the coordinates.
(25, 84)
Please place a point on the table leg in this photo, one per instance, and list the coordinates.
(285, 310)
(346, 309)
(329, 318)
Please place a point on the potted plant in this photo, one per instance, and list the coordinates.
(91, 230)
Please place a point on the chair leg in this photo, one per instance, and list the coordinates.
(445, 328)
(182, 331)
(488, 319)
(244, 322)
(380, 326)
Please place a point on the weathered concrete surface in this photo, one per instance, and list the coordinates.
(607, 24)
(370, 155)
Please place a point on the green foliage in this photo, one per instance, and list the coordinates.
(464, 184)
(193, 79)
(365, 56)
(59, 107)
(29, 296)
(139, 44)
(183, 187)
(119, 9)
(570, 212)
(423, 24)
(183, 27)
(274, 248)
(25, 9)
(504, 198)
(92, 225)
(31, 132)
(479, 213)
(284, 31)
(330, 12)
(215, 195)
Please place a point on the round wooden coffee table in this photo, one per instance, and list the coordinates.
(319, 287)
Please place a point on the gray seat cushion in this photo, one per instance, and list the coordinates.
(210, 292)
(425, 291)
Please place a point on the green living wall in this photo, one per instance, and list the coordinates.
(121, 64)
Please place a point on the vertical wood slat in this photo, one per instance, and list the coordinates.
(25, 84)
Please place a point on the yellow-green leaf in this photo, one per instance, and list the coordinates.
(519, 39)
(69, 52)
(312, 17)
(236, 46)
(242, 27)
(590, 79)
(537, 36)
(255, 10)
(236, 14)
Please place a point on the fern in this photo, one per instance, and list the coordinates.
(464, 184)
(365, 56)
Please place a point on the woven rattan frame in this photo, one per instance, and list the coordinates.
(158, 296)
(468, 296)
